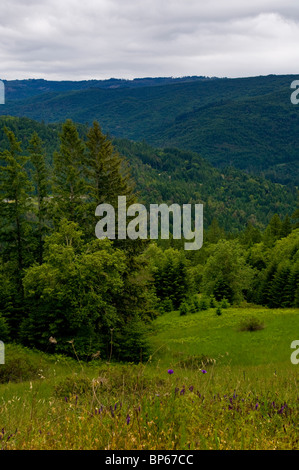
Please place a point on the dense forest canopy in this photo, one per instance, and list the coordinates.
(249, 123)
(59, 281)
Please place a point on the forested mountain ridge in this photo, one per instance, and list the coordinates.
(249, 123)
(20, 89)
(170, 175)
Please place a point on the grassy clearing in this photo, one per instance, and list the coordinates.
(247, 399)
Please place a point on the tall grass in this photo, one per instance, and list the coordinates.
(213, 400)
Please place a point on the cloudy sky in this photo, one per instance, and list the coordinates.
(76, 40)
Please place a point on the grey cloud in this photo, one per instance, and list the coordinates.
(134, 38)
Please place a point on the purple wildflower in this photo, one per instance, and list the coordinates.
(191, 388)
(128, 419)
(204, 371)
(170, 371)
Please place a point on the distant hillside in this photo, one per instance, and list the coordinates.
(21, 89)
(172, 175)
(248, 123)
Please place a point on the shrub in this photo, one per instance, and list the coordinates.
(251, 324)
(166, 305)
(130, 344)
(195, 304)
(18, 368)
(218, 311)
(225, 303)
(203, 304)
(184, 309)
(73, 385)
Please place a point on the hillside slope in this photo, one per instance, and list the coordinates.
(248, 123)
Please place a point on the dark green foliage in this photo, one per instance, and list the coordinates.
(4, 329)
(98, 297)
(166, 305)
(277, 282)
(184, 309)
(71, 293)
(213, 302)
(224, 303)
(72, 386)
(218, 311)
(251, 324)
(204, 303)
(130, 343)
(81, 287)
(171, 278)
(195, 304)
(18, 368)
(232, 198)
(68, 188)
(223, 290)
(15, 204)
(40, 179)
(221, 119)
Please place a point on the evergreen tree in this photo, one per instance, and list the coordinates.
(68, 184)
(106, 177)
(106, 173)
(295, 215)
(214, 232)
(15, 206)
(250, 236)
(273, 231)
(40, 179)
(286, 227)
(279, 294)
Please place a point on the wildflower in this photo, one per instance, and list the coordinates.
(204, 371)
(191, 388)
(170, 371)
(128, 419)
(256, 406)
(52, 340)
(182, 392)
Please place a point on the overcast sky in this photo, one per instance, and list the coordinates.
(77, 40)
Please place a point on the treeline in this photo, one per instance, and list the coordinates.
(254, 267)
(63, 290)
(233, 197)
(172, 175)
(57, 280)
(248, 122)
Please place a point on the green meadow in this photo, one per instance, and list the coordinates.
(230, 389)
